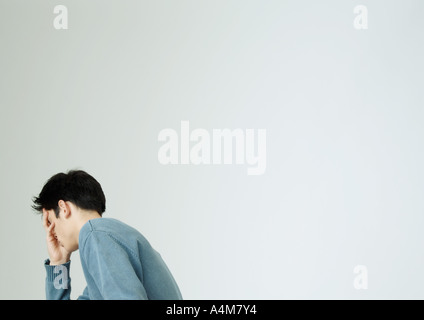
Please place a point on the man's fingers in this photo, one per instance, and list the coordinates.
(50, 228)
(45, 221)
(50, 233)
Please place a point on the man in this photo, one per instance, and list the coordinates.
(118, 262)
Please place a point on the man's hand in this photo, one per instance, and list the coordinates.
(57, 253)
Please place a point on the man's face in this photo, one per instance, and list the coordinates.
(62, 230)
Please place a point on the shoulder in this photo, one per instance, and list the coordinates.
(107, 229)
(107, 225)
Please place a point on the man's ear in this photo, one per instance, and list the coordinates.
(65, 209)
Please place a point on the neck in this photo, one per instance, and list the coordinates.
(84, 216)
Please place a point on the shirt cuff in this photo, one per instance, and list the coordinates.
(52, 271)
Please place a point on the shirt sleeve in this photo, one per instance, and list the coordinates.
(85, 295)
(109, 264)
(58, 282)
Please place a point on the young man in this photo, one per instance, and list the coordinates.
(118, 262)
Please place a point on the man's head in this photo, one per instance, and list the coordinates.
(70, 200)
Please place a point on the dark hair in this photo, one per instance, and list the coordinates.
(76, 186)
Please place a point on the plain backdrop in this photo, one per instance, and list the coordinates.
(342, 109)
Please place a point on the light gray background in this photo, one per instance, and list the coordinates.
(343, 110)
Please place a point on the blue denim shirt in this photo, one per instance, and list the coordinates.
(118, 263)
